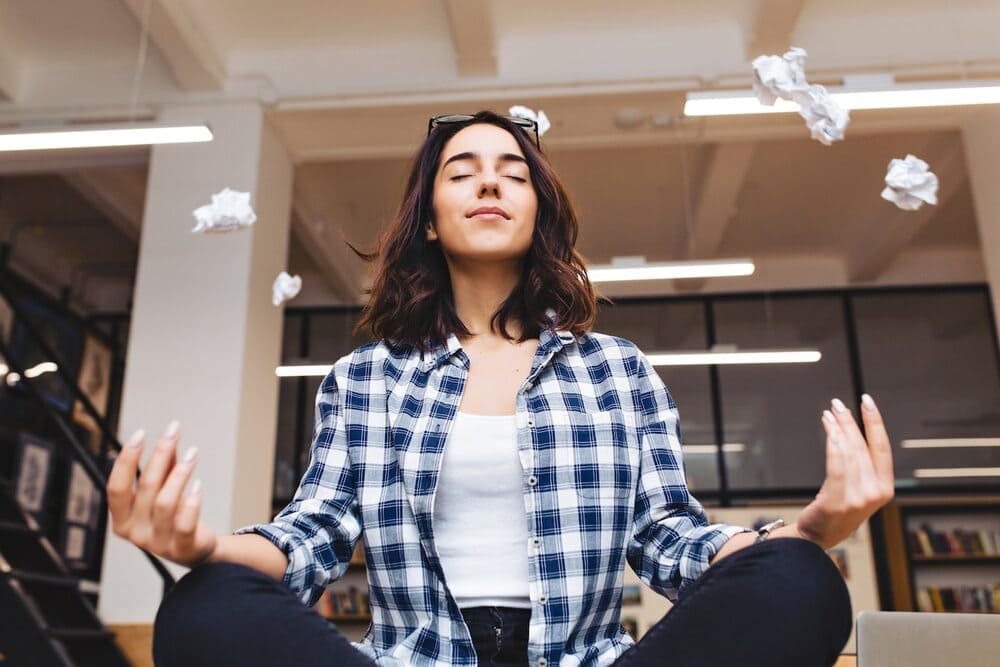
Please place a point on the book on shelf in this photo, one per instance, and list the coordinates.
(925, 541)
(341, 603)
(924, 602)
(960, 598)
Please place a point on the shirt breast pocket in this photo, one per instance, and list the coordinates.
(598, 454)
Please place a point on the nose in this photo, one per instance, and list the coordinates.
(489, 184)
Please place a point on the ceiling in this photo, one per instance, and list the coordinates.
(348, 87)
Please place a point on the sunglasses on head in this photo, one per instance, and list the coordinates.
(524, 123)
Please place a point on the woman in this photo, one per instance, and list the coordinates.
(506, 547)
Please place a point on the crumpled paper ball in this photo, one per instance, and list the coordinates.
(825, 119)
(526, 112)
(909, 184)
(285, 287)
(229, 211)
(779, 76)
(783, 77)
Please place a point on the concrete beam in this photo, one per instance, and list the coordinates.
(773, 26)
(340, 267)
(472, 36)
(118, 194)
(719, 195)
(10, 77)
(190, 53)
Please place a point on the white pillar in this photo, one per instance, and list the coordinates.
(204, 338)
(982, 154)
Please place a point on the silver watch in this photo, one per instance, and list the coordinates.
(764, 531)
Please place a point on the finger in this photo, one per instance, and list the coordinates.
(121, 480)
(186, 519)
(836, 456)
(878, 441)
(846, 422)
(165, 505)
(157, 466)
(854, 437)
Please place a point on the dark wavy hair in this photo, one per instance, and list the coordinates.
(410, 300)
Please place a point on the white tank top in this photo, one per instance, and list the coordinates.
(480, 524)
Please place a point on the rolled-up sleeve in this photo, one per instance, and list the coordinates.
(319, 529)
(672, 542)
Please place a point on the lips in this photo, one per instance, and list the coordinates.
(489, 210)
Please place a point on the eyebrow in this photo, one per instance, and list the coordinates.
(504, 157)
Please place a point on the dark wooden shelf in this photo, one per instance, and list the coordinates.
(903, 565)
(956, 558)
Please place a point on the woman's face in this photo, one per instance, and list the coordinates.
(484, 201)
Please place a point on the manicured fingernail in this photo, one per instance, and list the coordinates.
(195, 488)
(135, 440)
(173, 428)
(827, 415)
(868, 402)
(838, 406)
(190, 454)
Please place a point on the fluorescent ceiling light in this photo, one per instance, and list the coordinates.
(728, 448)
(932, 443)
(101, 136)
(731, 103)
(608, 273)
(40, 369)
(721, 357)
(707, 358)
(956, 472)
(33, 372)
(320, 370)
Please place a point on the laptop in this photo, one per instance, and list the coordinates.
(925, 639)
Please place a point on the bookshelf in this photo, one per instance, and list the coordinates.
(944, 554)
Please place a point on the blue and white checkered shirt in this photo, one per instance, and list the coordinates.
(599, 441)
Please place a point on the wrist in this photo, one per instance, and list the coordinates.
(789, 531)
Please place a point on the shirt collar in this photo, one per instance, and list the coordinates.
(550, 339)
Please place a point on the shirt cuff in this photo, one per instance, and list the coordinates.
(293, 547)
(708, 541)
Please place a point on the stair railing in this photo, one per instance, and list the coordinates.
(76, 448)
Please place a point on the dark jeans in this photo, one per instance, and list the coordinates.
(781, 602)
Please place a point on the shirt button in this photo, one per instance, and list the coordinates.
(532, 480)
(536, 542)
(531, 421)
(542, 599)
(542, 662)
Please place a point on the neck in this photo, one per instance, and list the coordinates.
(479, 294)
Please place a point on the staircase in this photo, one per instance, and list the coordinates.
(47, 620)
(47, 614)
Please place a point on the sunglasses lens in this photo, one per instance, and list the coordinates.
(453, 118)
(526, 123)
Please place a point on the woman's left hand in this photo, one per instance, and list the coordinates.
(859, 477)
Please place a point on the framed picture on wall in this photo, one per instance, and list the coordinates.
(80, 519)
(6, 319)
(33, 472)
(94, 381)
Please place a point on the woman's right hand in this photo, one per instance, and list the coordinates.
(155, 513)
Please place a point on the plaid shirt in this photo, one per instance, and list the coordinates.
(599, 440)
